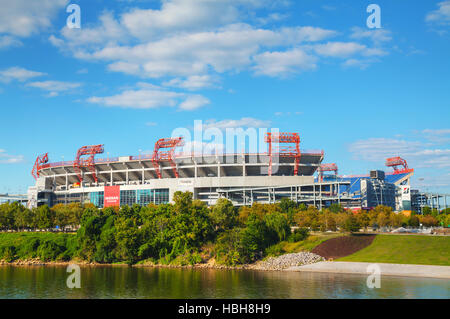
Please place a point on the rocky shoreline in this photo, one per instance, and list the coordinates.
(272, 263)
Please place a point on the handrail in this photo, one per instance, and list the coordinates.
(177, 155)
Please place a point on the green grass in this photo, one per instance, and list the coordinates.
(405, 249)
(308, 244)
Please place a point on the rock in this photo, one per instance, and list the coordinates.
(286, 261)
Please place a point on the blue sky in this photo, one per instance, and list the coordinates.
(136, 70)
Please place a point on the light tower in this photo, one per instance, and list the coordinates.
(164, 152)
(91, 150)
(327, 168)
(287, 151)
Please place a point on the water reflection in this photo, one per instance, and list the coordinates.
(127, 282)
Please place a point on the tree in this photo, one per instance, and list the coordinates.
(289, 208)
(426, 210)
(327, 220)
(6, 216)
(396, 219)
(351, 223)
(363, 219)
(413, 221)
(43, 217)
(127, 238)
(428, 221)
(336, 208)
(23, 217)
(183, 201)
(383, 219)
(278, 225)
(62, 215)
(308, 218)
(223, 214)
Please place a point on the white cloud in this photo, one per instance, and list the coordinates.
(6, 158)
(22, 18)
(193, 102)
(180, 15)
(54, 87)
(228, 49)
(18, 74)
(417, 154)
(193, 82)
(378, 149)
(437, 135)
(445, 131)
(346, 49)
(243, 123)
(441, 15)
(376, 35)
(284, 63)
(9, 41)
(109, 32)
(359, 63)
(83, 71)
(189, 44)
(149, 97)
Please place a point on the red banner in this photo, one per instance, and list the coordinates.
(112, 196)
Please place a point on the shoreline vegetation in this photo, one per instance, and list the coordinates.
(187, 233)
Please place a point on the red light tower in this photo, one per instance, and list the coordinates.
(327, 168)
(91, 150)
(40, 160)
(395, 162)
(288, 151)
(167, 155)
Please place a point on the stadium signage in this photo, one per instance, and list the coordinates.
(112, 196)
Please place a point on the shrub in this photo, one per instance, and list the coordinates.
(298, 235)
(49, 250)
(8, 252)
(274, 250)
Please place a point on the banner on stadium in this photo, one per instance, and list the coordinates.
(406, 192)
(112, 196)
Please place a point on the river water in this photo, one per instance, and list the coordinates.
(131, 282)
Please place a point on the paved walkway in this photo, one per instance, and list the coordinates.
(386, 269)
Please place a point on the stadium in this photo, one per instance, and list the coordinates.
(285, 171)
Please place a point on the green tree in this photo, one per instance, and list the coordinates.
(223, 215)
(23, 217)
(277, 226)
(127, 238)
(426, 210)
(43, 217)
(351, 224)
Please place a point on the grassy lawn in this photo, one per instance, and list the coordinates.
(307, 244)
(405, 249)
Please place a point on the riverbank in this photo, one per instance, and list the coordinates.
(334, 267)
(341, 267)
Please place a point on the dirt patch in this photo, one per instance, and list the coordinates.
(343, 246)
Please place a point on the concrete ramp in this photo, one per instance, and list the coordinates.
(425, 271)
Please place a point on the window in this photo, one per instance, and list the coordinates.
(155, 196)
(97, 198)
(127, 198)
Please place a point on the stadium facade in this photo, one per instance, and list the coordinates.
(284, 171)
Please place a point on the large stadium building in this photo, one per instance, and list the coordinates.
(285, 171)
